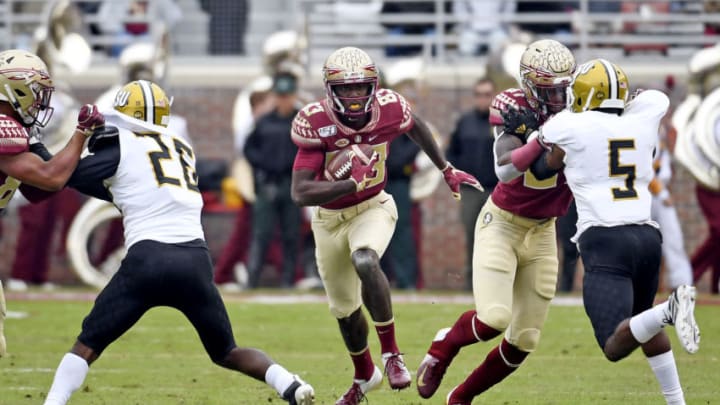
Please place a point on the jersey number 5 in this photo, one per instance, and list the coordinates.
(185, 156)
(620, 170)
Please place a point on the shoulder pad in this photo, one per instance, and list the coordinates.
(398, 106)
(103, 136)
(13, 136)
(302, 133)
(510, 98)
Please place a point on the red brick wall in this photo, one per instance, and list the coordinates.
(209, 115)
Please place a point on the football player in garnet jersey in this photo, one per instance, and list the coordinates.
(144, 168)
(515, 261)
(606, 146)
(25, 92)
(355, 219)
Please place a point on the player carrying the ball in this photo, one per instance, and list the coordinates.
(356, 218)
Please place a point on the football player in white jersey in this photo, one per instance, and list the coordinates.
(606, 147)
(149, 174)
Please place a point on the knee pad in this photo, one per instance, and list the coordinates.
(496, 316)
(527, 339)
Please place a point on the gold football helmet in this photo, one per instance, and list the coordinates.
(145, 101)
(26, 85)
(546, 69)
(348, 66)
(598, 84)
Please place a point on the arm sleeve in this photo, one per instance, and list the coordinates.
(40, 150)
(91, 172)
(540, 169)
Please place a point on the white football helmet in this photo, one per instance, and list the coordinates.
(546, 69)
(26, 85)
(350, 65)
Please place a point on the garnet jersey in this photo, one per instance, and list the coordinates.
(319, 133)
(13, 140)
(609, 160)
(526, 195)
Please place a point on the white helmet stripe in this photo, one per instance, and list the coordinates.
(149, 101)
(612, 79)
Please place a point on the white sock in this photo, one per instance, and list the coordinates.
(69, 377)
(277, 377)
(663, 365)
(645, 325)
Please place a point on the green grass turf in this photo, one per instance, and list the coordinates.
(161, 360)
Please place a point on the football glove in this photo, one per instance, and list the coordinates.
(89, 118)
(454, 178)
(361, 174)
(520, 122)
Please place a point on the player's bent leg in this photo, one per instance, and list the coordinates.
(468, 329)
(621, 343)
(375, 286)
(499, 363)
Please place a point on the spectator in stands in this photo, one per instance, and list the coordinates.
(471, 148)
(538, 7)
(711, 7)
(254, 101)
(401, 255)
(271, 154)
(405, 28)
(480, 27)
(115, 14)
(228, 24)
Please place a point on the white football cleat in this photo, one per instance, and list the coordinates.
(299, 393)
(681, 308)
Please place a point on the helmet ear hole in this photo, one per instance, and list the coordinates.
(20, 93)
(579, 101)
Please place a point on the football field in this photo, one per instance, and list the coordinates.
(161, 360)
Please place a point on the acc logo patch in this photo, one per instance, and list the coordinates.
(341, 143)
(487, 218)
(327, 131)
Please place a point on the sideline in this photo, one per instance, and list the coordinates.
(269, 297)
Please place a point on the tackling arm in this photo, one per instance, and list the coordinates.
(51, 175)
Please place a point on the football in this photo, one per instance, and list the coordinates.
(339, 167)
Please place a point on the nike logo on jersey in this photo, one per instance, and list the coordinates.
(372, 138)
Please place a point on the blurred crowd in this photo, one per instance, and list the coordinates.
(270, 243)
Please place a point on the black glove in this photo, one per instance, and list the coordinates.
(520, 122)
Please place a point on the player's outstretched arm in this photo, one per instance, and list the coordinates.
(52, 175)
(422, 136)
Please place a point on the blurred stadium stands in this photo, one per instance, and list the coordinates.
(649, 37)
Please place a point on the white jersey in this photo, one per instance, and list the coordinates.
(155, 185)
(609, 160)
